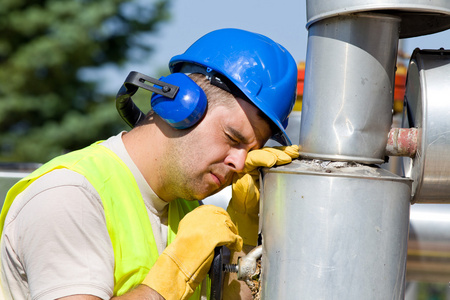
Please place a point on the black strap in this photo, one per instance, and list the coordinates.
(215, 78)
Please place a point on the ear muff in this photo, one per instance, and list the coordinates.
(187, 107)
(177, 99)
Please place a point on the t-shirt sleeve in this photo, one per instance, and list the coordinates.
(59, 237)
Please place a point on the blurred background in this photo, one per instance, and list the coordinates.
(62, 63)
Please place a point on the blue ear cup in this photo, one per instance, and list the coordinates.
(188, 106)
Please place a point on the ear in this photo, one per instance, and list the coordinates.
(186, 108)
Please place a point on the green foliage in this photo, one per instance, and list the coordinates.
(46, 108)
(432, 291)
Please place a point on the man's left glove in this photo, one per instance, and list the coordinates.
(186, 261)
(244, 205)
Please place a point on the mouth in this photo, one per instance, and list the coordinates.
(218, 179)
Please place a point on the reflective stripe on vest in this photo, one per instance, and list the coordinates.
(128, 225)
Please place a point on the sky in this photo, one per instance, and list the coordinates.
(284, 21)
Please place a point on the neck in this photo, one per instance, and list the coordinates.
(145, 145)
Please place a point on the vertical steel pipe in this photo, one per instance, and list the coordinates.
(349, 80)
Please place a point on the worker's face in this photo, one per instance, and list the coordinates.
(203, 161)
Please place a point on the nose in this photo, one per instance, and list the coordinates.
(236, 159)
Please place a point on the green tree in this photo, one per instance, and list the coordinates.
(46, 106)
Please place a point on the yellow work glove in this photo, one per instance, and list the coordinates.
(244, 205)
(185, 262)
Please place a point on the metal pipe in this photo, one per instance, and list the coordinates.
(246, 267)
(349, 83)
(402, 142)
(333, 230)
(419, 17)
(247, 264)
(427, 109)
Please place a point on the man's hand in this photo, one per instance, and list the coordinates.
(185, 263)
(244, 205)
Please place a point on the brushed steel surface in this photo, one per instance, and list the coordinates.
(349, 81)
(427, 107)
(419, 17)
(333, 231)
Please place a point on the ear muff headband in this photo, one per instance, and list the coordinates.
(177, 99)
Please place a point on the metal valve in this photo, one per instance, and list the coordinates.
(245, 269)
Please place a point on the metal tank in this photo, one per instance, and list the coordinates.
(427, 108)
(327, 226)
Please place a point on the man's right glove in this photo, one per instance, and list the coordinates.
(244, 205)
(185, 262)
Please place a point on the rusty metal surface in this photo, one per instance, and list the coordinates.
(402, 142)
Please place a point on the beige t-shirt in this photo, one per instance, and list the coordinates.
(55, 242)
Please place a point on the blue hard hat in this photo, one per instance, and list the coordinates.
(264, 71)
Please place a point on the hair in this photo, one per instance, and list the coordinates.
(215, 95)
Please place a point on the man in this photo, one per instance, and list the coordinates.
(120, 218)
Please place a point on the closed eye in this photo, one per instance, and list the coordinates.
(235, 136)
(232, 139)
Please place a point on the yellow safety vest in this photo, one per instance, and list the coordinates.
(127, 221)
